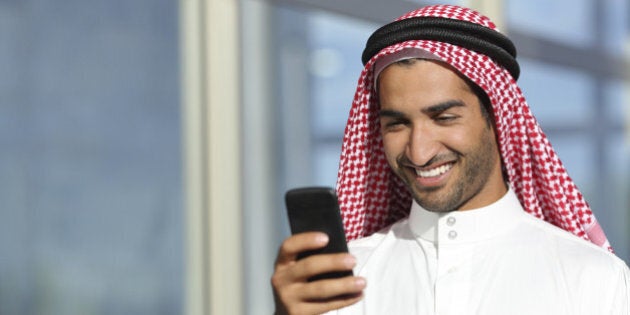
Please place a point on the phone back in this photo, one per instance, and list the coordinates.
(316, 209)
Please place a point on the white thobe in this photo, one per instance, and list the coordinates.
(493, 260)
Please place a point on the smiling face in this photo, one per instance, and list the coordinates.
(436, 138)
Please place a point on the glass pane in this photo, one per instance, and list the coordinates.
(546, 88)
(616, 25)
(335, 46)
(615, 212)
(568, 21)
(615, 216)
(326, 164)
(617, 103)
(91, 214)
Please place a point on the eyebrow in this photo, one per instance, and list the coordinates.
(390, 113)
(433, 109)
(441, 107)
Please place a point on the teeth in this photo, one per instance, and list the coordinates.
(434, 172)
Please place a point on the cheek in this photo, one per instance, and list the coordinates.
(394, 146)
(462, 139)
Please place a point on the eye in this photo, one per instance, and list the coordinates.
(394, 123)
(390, 124)
(445, 118)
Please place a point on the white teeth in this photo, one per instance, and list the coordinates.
(434, 172)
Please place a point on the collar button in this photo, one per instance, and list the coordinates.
(452, 235)
(451, 221)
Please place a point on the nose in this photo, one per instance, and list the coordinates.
(422, 145)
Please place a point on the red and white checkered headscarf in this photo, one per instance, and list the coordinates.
(372, 197)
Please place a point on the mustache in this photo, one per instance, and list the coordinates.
(403, 160)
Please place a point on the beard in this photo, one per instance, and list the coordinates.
(470, 174)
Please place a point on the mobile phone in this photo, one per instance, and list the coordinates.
(316, 209)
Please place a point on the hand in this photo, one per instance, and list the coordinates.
(293, 294)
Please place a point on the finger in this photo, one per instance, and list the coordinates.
(330, 290)
(288, 281)
(322, 263)
(326, 305)
(300, 271)
(298, 243)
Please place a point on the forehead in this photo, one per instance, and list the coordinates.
(419, 78)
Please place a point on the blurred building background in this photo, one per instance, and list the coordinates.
(147, 144)
(90, 166)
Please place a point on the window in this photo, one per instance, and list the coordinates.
(91, 215)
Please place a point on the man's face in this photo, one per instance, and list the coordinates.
(436, 138)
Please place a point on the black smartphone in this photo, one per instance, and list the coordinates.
(316, 209)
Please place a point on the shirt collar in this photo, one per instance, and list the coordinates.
(465, 226)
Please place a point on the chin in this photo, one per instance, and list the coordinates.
(434, 203)
(438, 199)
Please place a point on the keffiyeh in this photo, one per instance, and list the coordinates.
(372, 197)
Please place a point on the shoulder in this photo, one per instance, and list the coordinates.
(565, 239)
(573, 269)
(575, 253)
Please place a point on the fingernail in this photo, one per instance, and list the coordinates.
(321, 238)
(360, 282)
(349, 261)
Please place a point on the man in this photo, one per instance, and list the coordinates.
(448, 187)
